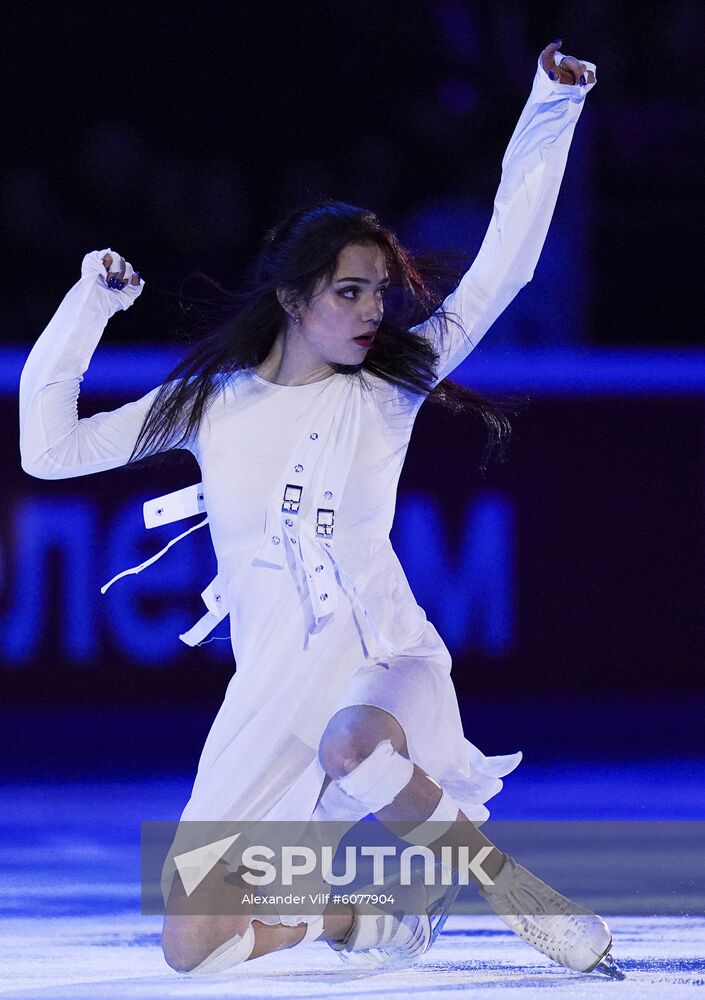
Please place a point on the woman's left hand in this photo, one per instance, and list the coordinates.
(569, 71)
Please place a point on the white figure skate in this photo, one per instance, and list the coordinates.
(388, 940)
(566, 932)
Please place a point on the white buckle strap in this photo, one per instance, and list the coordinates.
(165, 510)
(174, 506)
(319, 566)
(203, 627)
(216, 602)
(290, 500)
(301, 512)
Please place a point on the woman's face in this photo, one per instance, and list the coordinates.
(346, 308)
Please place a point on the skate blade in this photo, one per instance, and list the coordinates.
(608, 967)
(376, 960)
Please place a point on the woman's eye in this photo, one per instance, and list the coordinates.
(355, 290)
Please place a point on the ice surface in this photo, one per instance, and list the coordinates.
(71, 958)
(71, 927)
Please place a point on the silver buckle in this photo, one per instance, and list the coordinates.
(324, 521)
(292, 498)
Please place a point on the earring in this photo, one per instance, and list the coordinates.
(297, 320)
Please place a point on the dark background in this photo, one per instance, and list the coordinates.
(179, 135)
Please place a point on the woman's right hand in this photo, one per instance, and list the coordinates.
(119, 272)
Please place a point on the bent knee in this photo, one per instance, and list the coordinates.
(353, 734)
(182, 951)
(188, 941)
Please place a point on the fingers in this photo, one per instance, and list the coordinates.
(120, 272)
(547, 56)
(116, 278)
(114, 264)
(571, 71)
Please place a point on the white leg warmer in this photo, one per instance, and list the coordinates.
(233, 952)
(314, 928)
(379, 778)
(314, 923)
(440, 820)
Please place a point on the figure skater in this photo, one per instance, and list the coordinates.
(299, 412)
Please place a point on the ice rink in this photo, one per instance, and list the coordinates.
(72, 928)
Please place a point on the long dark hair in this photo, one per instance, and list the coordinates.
(296, 254)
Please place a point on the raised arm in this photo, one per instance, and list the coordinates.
(54, 443)
(532, 170)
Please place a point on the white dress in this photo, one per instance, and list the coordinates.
(319, 620)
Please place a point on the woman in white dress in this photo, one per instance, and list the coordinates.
(299, 413)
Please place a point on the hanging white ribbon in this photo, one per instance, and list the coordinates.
(152, 559)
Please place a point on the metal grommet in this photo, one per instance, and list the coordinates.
(276, 539)
(289, 523)
(328, 495)
(324, 597)
(298, 468)
(319, 568)
(313, 436)
(217, 597)
(292, 539)
(199, 496)
(159, 511)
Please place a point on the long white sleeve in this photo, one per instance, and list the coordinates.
(54, 443)
(532, 170)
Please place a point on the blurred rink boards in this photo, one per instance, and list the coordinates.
(582, 554)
